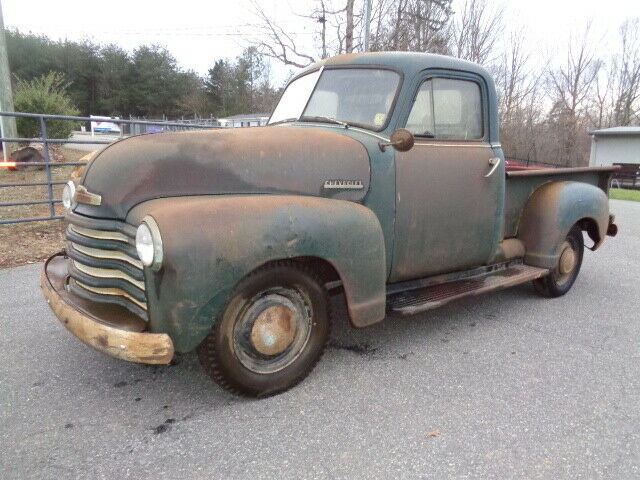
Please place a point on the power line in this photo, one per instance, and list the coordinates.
(160, 32)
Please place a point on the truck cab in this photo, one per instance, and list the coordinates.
(379, 177)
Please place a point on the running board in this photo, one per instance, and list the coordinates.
(411, 302)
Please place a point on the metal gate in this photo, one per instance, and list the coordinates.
(49, 182)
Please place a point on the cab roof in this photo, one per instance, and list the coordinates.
(409, 63)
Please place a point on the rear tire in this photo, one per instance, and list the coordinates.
(272, 332)
(561, 279)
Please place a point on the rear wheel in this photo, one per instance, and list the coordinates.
(561, 278)
(272, 333)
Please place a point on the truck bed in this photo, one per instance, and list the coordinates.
(523, 181)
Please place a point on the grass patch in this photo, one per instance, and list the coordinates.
(624, 194)
(23, 243)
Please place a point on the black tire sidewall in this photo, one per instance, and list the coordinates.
(228, 364)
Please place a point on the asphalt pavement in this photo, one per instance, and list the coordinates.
(508, 385)
(86, 136)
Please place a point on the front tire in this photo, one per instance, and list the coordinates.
(272, 332)
(561, 279)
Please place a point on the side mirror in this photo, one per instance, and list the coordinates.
(402, 140)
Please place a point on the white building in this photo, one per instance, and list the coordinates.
(615, 145)
(245, 120)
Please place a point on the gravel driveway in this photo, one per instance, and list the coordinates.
(508, 385)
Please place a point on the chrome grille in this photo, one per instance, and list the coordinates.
(103, 263)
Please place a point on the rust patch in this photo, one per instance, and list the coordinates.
(261, 160)
(140, 347)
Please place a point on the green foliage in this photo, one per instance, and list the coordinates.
(44, 94)
(32, 56)
(624, 194)
(154, 85)
(240, 87)
(113, 95)
(216, 86)
(107, 80)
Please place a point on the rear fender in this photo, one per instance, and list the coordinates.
(210, 243)
(551, 212)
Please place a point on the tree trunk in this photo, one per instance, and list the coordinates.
(348, 40)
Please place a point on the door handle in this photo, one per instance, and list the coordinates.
(494, 162)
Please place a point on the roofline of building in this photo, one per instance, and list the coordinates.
(615, 133)
(246, 117)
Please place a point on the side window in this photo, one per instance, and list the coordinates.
(447, 109)
(420, 121)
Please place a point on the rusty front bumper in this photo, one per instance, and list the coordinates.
(109, 328)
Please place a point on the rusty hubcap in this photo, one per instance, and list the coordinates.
(566, 263)
(273, 330)
(567, 260)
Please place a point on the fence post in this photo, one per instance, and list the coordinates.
(47, 161)
(4, 145)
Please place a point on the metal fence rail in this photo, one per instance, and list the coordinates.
(176, 125)
(49, 165)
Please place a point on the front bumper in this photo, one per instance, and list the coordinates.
(108, 328)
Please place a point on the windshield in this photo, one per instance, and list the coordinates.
(359, 96)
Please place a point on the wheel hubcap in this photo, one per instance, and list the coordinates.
(566, 263)
(567, 260)
(272, 330)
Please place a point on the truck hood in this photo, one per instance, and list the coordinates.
(260, 160)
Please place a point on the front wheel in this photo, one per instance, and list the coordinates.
(271, 334)
(560, 279)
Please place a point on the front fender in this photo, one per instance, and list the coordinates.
(551, 212)
(211, 242)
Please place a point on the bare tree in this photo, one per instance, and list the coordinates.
(626, 68)
(569, 87)
(274, 41)
(476, 30)
(570, 84)
(348, 38)
(601, 111)
(518, 87)
(514, 80)
(416, 25)
(336, 17)
(322, 19)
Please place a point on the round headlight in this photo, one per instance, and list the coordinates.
(149, 243)
(67, 194)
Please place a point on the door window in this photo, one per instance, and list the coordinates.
(447, 109)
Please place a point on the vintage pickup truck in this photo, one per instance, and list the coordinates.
(379, 176)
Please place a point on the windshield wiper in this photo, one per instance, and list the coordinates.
(319, 118)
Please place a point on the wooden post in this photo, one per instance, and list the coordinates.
(7, 124)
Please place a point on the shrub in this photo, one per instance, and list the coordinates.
(44, 94)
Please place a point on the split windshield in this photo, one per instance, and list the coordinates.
(356, 96)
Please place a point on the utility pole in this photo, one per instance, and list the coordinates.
(367, 25)
(7, 124)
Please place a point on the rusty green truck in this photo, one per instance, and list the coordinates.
(379, 177)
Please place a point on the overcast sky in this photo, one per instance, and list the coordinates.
(198, 32)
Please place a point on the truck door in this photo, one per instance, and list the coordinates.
(449, 186)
